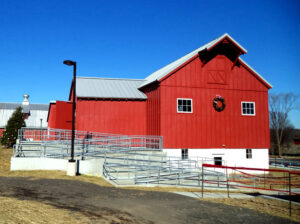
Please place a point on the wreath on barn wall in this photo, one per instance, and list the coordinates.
(219, 103)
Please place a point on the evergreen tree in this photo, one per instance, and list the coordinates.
(15, 122)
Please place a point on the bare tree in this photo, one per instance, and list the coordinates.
(280, 106)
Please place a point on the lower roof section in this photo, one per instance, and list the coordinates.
(92, 87)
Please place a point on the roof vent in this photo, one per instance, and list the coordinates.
(25, 101)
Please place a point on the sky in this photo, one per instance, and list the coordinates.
(132, 39)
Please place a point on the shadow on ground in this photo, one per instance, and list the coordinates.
(130, 206)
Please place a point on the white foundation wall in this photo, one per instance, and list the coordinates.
(231, 157)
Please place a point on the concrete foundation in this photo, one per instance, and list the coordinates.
(71, 168)
(93, 167)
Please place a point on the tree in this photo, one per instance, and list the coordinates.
(15, 122)
(280, 106)
(287, 138)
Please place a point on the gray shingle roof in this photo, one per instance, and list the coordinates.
(90, 87)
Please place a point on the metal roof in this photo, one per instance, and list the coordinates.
(13, 106)
(157, 75)
(92, 87)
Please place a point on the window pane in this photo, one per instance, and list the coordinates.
(248, 109)
(180, 102)
(180, 108)
(184, 108)
(189, 102)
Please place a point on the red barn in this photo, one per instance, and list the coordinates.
(209, 103)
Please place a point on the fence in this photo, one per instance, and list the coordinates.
(282, 182)
(43, 141)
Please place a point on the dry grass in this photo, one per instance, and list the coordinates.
(23, 211)
(272, 207)
(36, 212)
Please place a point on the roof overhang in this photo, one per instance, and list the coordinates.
(169, 69)
(50, 104)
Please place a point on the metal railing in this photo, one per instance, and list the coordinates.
(132, 168)
(56, 143)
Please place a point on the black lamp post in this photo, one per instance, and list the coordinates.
(73, 63)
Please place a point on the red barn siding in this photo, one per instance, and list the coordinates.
(205, 127)
(63, 115)
(153, 110)
(60, 115)
(52, 116)
(111, 116)
(1, 131)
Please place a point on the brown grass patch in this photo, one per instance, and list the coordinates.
(272, 207)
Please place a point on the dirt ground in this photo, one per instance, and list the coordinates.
(53, 197)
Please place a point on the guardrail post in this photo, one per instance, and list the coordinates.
(202, 179)
(290, 194)
(227, 182)
(158, 175)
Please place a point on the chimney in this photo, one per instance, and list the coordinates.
(25, 101)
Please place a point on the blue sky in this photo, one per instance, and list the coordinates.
(132, 39)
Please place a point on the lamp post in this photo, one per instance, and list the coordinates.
(72, 161)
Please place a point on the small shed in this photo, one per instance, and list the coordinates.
(36, 114)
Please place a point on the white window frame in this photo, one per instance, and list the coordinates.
(185, 112)
(253, 108)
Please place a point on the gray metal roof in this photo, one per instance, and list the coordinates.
(90, 87)
(13, 106)
(10, 106)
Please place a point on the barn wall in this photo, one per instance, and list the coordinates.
(63, 115)
(205, 127)
(111, 116)
(52, 116)
(153, 110)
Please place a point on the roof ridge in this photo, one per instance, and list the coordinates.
(127, 79)
(11, 102)
(157, 75)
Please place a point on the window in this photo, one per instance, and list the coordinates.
(248, 108)
(184, 154)
(249, 153)
(218, 161)
(184, 106)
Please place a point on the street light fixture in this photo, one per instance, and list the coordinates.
(73, 63)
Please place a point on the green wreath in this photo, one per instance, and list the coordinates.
(215, 104)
